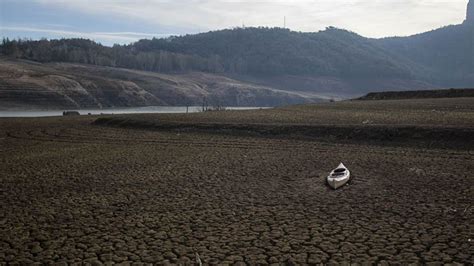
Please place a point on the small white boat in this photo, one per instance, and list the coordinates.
(339, 176)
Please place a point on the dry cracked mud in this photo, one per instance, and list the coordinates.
(77, 193)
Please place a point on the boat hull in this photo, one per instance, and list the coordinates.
(336, 183)
(339, 176)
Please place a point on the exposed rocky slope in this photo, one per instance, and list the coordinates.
(26, 84)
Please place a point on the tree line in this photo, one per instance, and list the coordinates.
(85, 51)
(248, 51)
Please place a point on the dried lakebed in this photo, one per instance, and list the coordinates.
(75, 192)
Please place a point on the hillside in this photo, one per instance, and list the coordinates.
(247, 51)
(330, 64)
(25, 84)
(240, 66)
(276, 51)
(447, 54)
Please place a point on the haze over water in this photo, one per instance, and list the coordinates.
(134, 110)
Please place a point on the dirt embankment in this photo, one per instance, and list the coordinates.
(421, 94)
(377, 134)
(444, 122)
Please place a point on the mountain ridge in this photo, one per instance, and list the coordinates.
(332, 63)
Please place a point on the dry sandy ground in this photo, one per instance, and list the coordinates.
(74, 192)
(443, 112)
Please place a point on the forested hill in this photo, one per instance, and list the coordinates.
(277, 51)
(447, 54)
(88, 52)
(443, 57)
(249, 51)
(333, 63)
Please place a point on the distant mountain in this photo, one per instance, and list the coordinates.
(446, 54)
(443, 57)
(248, 51)
(333, 63)
(277, 51)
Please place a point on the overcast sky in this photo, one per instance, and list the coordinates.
(125, 21)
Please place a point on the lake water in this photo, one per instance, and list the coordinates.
(134, 110)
